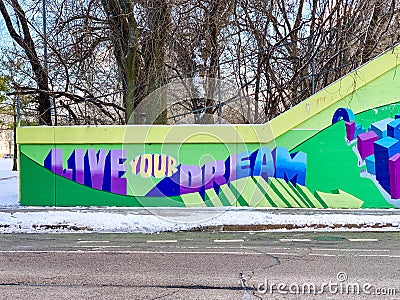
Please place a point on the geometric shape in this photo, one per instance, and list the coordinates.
(240, 200)
(289, 187)
(272, 197)
(290, 166)
(384, 149)
(36, 183)
(193, 200)
(305, 200)
(370, 163)
(250, 192)
(284, 188)
(359, 130)
(350, 130)
(365, 143)
(380, 127)
(282, 193)
(394, 170)
(343, 114)
(339, 199)
(212, 196)
(306, 193)
(227, 196)
(393, 129)
(397, 116)
(167, 187)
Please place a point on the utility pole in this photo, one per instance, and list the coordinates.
(219, 108)
(16, 113)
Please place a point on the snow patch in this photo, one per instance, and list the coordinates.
(17, 219)
(8, 184)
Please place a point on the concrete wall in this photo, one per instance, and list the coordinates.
(338, 149)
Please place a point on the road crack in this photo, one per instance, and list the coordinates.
(246, 276)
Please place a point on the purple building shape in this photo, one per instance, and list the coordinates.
(350, 130)
(365, 143)
(394, 170)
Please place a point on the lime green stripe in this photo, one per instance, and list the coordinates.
(294, 196)
(270, 194)
(250, 192)
(256, 180)
(207, 201)
(282, 193)
(240, 200)
(305, 200)
(213, 198)
(340, 199)
(307, 194)
(193, 200)
(226, 196)
(316, 195)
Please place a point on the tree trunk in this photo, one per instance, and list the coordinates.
(158, 22)
(25, 41)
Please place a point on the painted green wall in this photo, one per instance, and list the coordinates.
(334, 176)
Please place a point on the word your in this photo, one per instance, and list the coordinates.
(278, 163)
(156, 165)
(100, 169)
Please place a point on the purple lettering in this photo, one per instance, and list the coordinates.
(76, 163)
(213, 174)
(190, 179)
(117, 170)
(94, 168)
(54, 162)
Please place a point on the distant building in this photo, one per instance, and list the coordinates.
(6, 136)
(6, 142)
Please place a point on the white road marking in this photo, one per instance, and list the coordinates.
(191, 253)
(161, 241)
(89, 242)
(228, 241)
(350, 250)
(323, 255)
(376, 255)
(363, 240)
(294, 240)
(133, 252)
(101, 246)
(282, 253)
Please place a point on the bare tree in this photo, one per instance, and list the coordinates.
(25, 41)
(105, 57)
(139, 50)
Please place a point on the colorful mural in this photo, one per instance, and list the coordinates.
(338, 149)
(378, 148)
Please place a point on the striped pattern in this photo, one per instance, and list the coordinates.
(256, 192)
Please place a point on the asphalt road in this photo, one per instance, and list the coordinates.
(200, 265)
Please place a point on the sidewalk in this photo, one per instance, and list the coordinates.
(8, 184)
(18, 219)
